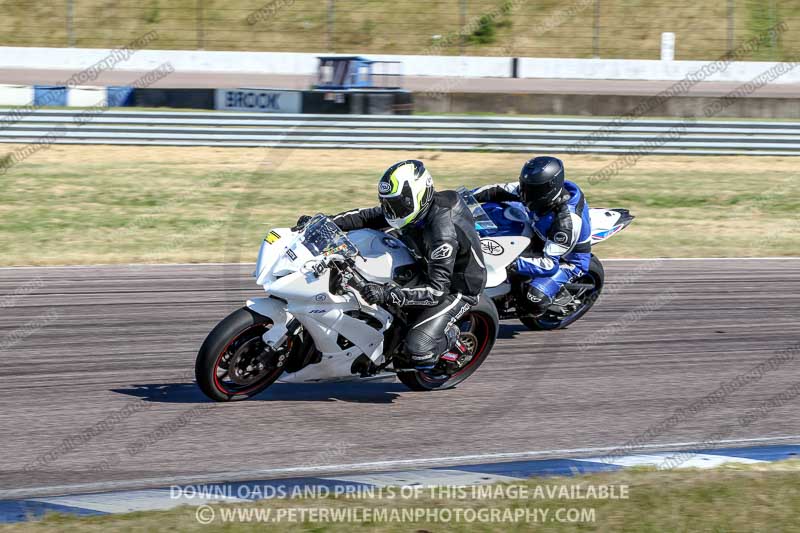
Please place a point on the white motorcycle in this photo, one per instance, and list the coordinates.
(314, 325)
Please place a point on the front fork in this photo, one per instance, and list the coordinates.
(275, 310)
(282, 334)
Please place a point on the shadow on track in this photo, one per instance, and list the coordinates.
(375, 392)
(509, 331)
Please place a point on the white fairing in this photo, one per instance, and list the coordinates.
(284, 269)
(501, 251)
(498, 253)
(383, 253)
(605, 223)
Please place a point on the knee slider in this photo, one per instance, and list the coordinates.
(420, 343)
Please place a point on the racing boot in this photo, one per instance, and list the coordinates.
(537, 301)
(452, 355)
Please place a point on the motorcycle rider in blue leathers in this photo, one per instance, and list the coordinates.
(559, 214)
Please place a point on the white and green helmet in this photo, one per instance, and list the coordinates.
(405, 192)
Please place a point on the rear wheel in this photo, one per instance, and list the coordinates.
(234, 363)
(553, 319)
(478, 333)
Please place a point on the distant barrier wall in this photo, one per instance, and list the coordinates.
(76, 59)
(605, 105)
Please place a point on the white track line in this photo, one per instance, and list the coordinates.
(329, 470)
(770, 258)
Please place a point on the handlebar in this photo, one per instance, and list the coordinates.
(346, 266)
(357, 281)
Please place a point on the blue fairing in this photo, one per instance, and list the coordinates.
(505, 227)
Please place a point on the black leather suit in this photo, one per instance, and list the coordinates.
(445, 242)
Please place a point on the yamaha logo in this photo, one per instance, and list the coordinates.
(384, 187)
(560, 237)
(490, 247)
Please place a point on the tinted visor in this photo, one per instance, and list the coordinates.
(538, 197)
(399, 206)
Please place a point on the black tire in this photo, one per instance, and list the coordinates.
(243, 326)
(596, 275)
(487, 322)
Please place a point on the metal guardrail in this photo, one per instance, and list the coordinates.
(467, 133)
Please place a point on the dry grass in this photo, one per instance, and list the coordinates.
(102, 204)
(726, 499)
(628, 28)
(205, 160)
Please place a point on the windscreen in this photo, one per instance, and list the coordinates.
(482, 220)
(322, 237)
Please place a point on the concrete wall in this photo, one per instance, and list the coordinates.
(607, 105)
(77, 59)
(16, 95)
(647, 69)
(47, 95)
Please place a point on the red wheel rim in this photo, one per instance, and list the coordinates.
(220, 386)
(475, 358)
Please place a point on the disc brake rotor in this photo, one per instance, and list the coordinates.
(245, 365)
(470, 341)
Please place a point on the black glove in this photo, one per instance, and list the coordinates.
(373, 293)
(393, 295)
(301, 222)
(377, 294)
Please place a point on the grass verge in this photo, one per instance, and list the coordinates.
(628, 28)
(741, 498)
(106, 204)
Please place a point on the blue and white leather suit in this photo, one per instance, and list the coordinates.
(566, 232)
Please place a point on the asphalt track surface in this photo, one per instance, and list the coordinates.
(116, 345)
(433, 84)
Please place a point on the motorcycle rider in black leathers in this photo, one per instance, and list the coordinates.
(439, 231)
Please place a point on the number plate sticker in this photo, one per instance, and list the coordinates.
(272, 237)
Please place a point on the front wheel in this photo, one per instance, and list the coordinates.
(553, 319)
(479, 330)
(234, 363)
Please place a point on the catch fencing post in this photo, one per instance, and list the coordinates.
(731, 28)
(199, 25)
(462, 23)
(596, 30)
(773, 17)
(71, 23)
(331, 19)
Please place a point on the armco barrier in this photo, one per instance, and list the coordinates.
(509, 134)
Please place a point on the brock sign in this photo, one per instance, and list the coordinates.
(259, 100)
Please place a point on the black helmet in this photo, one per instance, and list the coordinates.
(405, 191)
(541, 183)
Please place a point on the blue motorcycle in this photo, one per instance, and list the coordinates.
(506, 232)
